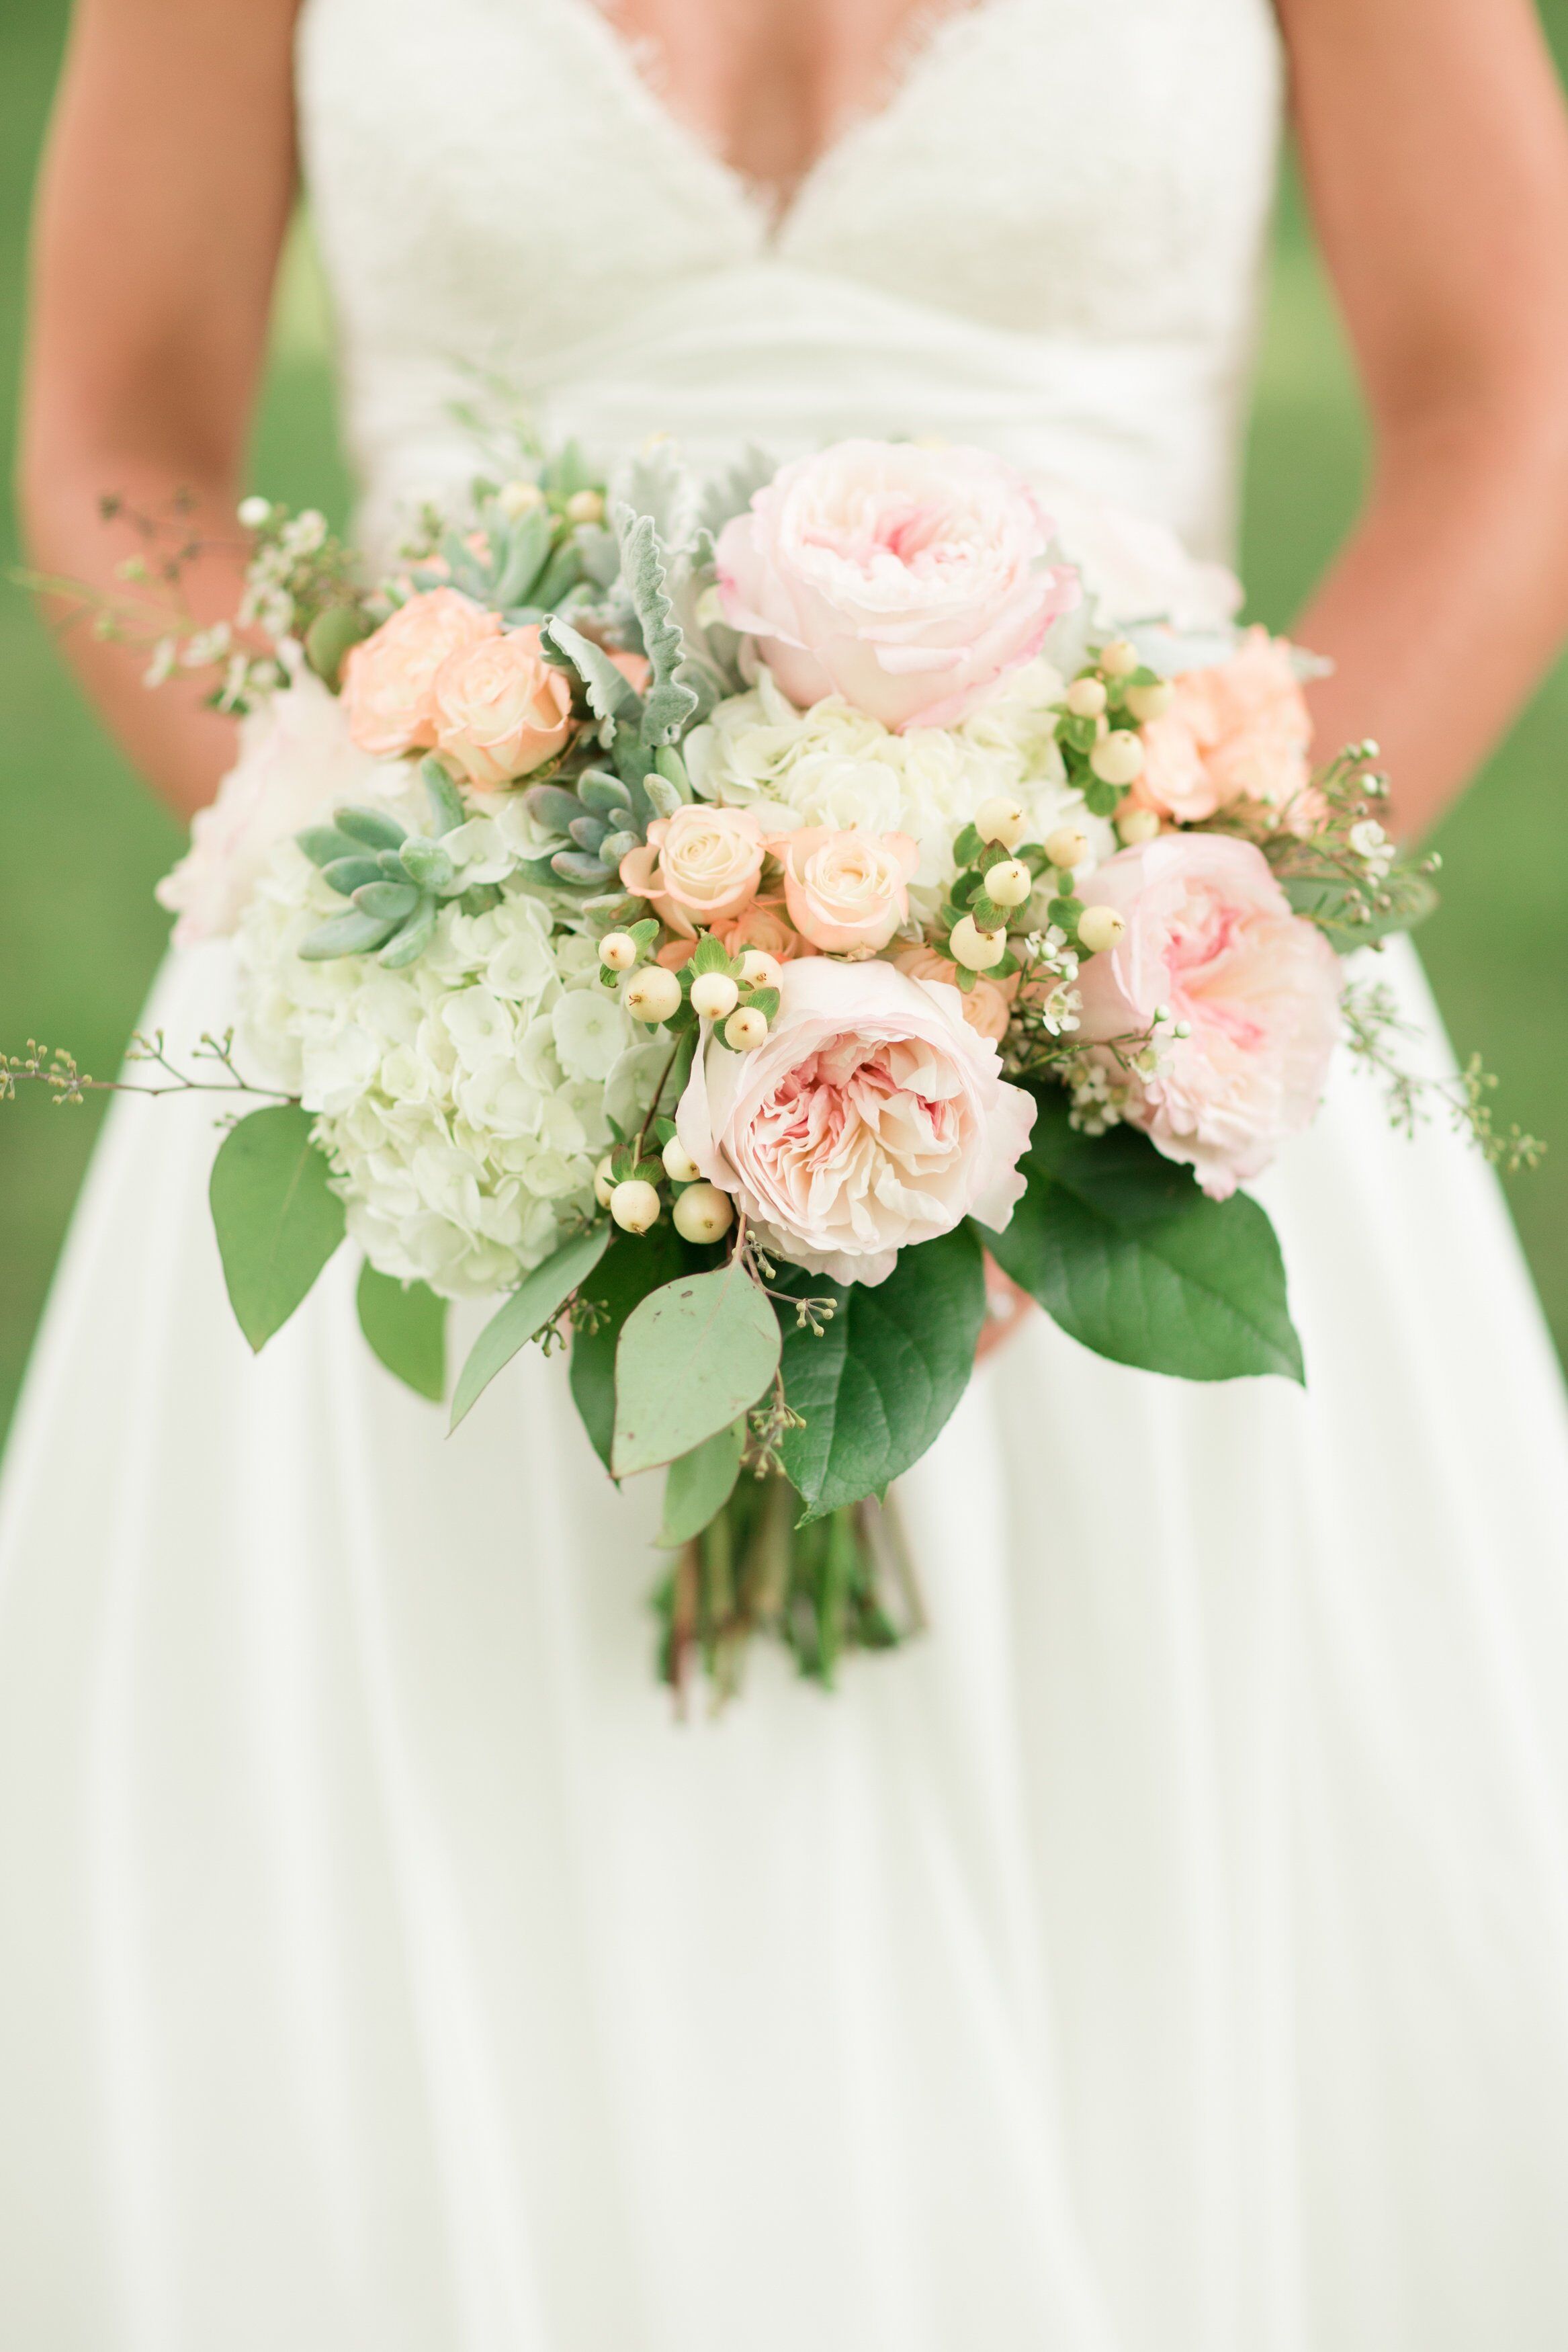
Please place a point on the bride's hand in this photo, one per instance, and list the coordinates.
(1006, 1305)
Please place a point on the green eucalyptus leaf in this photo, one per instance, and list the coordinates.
(699, 1484)
(633, 1265)
(277, 1217)
(332, 634)
(1123, 1250)
(405, 1324)
(1326, 900)
(878, 1384)
(691, 1357)
(537, 1297)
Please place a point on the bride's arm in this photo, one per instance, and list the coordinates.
(1435, 148)
(162, 204)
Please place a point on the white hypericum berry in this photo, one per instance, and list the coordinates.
(1119, 659)
(1099, 927)
(1067, 846)
(1118, 757)
(1146, 702)
(518, 499)
(603, 1182)
(634, 1206)
(760, 970)
(1085, 697)
(653, 994)
(1000, 819)
(968, 945)
(745, 1029)
(1137, 825)
(1008, 882)
(679, 1165)
(585, 506)
(715, 996)
(254, 514)
(618, 951)
(702, 1214)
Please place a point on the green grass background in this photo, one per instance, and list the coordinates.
(81, 844)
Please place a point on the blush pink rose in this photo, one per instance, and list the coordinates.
(846, 892)
(697, 868)
(389, 679)
(871, 1119)
(501, 710)
(1240, 731)
(757, 926)
(987, 1003)
(906, 580)
(1210, 934)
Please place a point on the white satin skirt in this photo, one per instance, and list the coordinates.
(1168, 1953)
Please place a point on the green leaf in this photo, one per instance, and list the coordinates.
(877, 1386)
(1122, 1248)
(445, 800)
(323, 845)
(691, 1358)
(699, 1484)
(538, 1296)
(374, 827)
(405, 1324)
(633, 1266)
(351, 934)
(277, 1220)
(332, 634)
(668, 704)
(611, 693)
(1325, 900)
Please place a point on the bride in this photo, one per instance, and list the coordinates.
(1170, 1953)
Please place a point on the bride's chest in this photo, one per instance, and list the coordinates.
(1063, 166)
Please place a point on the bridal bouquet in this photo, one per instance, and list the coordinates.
(715, 920)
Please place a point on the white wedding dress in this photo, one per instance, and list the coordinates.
(1167, 1954)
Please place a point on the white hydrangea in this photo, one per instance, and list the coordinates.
(832, 766)
(464, 1101)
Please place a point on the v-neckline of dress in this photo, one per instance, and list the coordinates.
(773, 210)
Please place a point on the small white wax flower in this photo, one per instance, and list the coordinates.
(617, 951)
(517, 499)
(1137, 825)
(715, 996)
(1099, 927)
(585, 506)
(653, 995)
(634, 1206)
(702, 1214)
(1085, 697)
(760, 970)
(679, 1165)
(1008, 883)
(1000, 819)
(603, 1184)
(1119, 659)
(1118, 757)
(974, 948)
(1067, 846)
(1146, 702)
(745, 1029)
(254, 513)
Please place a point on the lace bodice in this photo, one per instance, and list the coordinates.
(1047, 239)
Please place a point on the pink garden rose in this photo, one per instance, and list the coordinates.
(699, 866)
(846, 892)
(906, 580)
(388, 680)
(1240, 731)
(987, 1003)
(297, 762)
(501, 710)
(1210, 934)
(872, 1118)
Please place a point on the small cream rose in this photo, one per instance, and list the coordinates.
(388, 680)
(697, 868)
(501, 710)
(847, 892)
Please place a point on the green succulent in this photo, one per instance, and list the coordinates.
(395, 881)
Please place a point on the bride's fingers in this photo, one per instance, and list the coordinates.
(1006, 1304)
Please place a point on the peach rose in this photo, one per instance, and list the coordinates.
(757, 926)
(987, 1004)
(1210, 934)
(501, 710)
(871, 1119)
(699, 866)
(388, 678)
(846, 892)
(1240, 731)
(906, 580)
